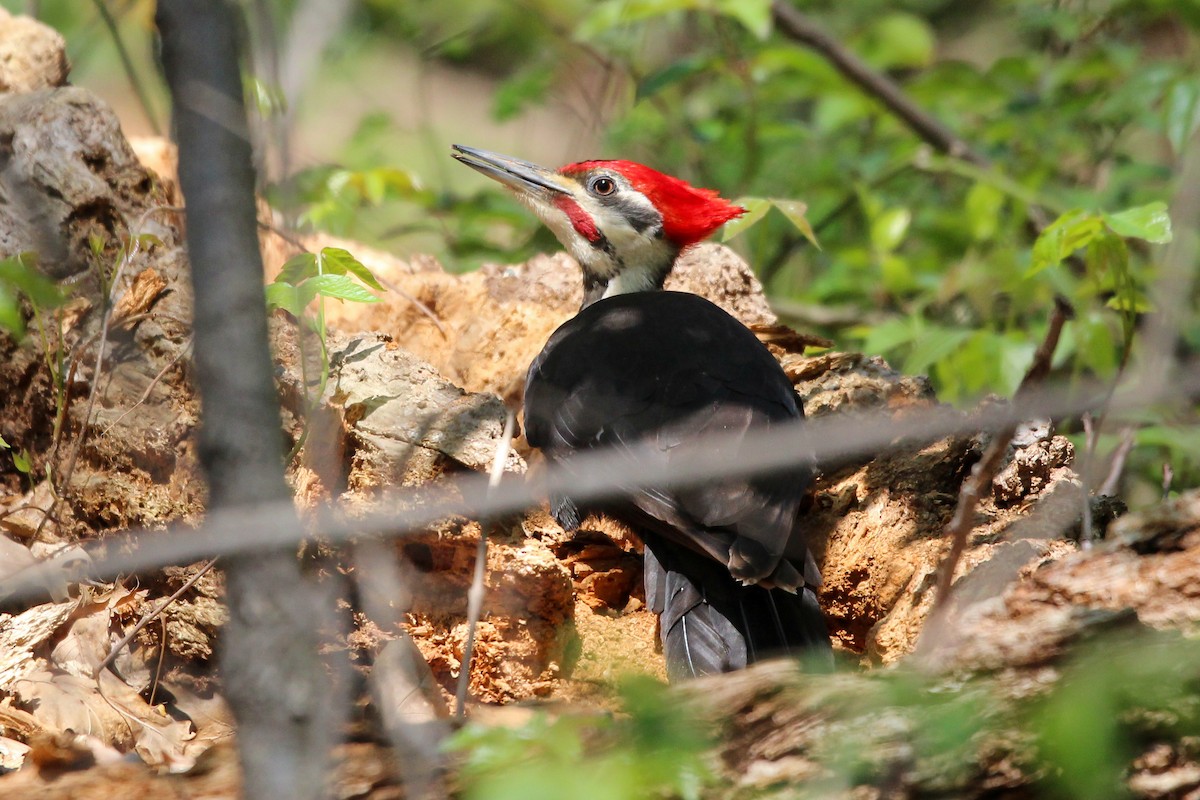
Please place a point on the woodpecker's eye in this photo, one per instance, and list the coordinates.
(603, 186)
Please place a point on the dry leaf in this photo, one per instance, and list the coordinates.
(70, 313)
(210, 717)
(62, 702)
(117, 717)
(786, 339)
(85, 645)
(20, 635)
(12, 753)
(140, 296)
(158, 738)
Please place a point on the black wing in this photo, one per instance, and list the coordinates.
(669, 368)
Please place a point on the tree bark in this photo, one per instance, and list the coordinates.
(279, 690)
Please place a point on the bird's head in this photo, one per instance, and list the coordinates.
(624, 223)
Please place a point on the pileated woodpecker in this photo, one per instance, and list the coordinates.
(725, 569)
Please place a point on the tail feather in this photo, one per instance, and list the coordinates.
(710, 623)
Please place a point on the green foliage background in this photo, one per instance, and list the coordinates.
(1081, 108)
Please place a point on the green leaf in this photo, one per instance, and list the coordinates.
(3, 444)
(267, 98)
(1134, 302)
(891, 335)
(983, 206)
(795, 211)
(285, 296)
(1068, 233)
(1107, 260)
(673, 73)
(1149, 222)
(896, 274)
(147, 240)
(1181, 113)
(888, 229)
(933, 345)
(900, 40)
(336, 261)
(611, 14)
(754, 15)
(298, 268)
(756, 209)
(374, 187)
(23, 461)
(11, 319)
(20, 272)
(339, 287)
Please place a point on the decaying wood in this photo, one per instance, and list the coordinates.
(777, 725)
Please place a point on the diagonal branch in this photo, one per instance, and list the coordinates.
(798, 27)
(977, 483)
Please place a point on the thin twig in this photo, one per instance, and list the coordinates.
(162, 656)
(475, 594)
(183, 351)
(979, 481)
(150, 616)
(1116, 466)
(1090, 435)
(127, 64)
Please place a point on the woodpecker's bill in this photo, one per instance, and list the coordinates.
(725, 568)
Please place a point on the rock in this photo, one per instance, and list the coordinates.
(70, 177)
(76, 195)
(32, 55)
(403, 421)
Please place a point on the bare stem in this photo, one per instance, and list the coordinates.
(150, 616)
(475, 594)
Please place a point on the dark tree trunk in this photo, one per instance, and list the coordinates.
(278, 688)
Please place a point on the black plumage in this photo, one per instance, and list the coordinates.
(669, 368)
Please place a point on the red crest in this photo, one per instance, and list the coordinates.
(689, 214)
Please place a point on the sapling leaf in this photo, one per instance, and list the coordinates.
(1149, 222)
(281, 294)
(336, 261)
(756, 209)
(795, 211)
(1068, 233)
(298, 268)
(340, 287)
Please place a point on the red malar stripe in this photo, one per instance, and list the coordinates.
(584, 225)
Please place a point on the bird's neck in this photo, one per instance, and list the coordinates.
(641, 277)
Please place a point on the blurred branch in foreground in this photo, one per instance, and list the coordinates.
(829, 440)
(278, 688)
